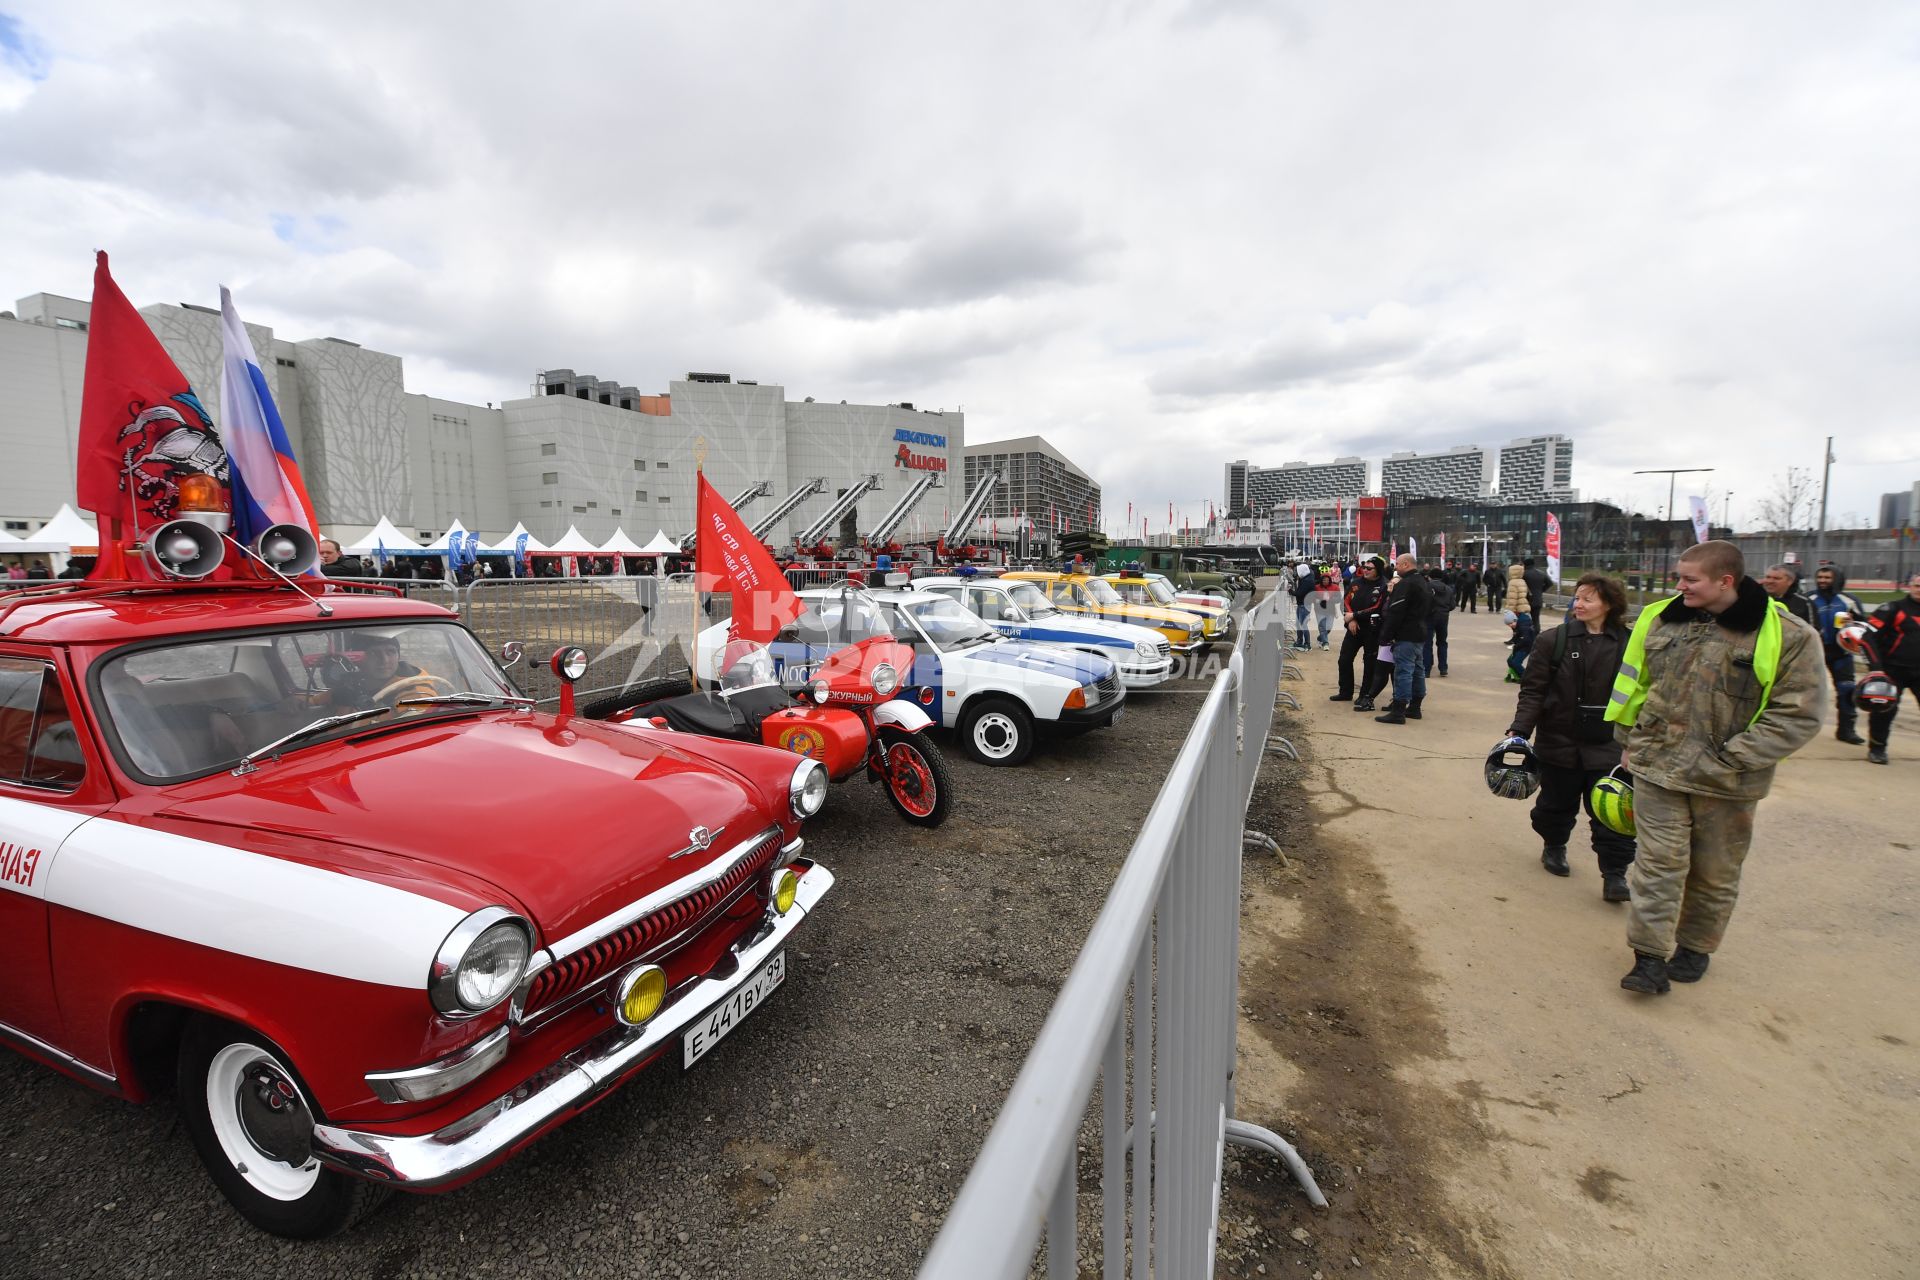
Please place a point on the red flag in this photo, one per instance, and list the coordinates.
(727, 557)
(142, 429)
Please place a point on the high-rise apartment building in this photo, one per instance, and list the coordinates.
(1239, 497)
(1537, 469)
(1464, 471)
(1037, 483)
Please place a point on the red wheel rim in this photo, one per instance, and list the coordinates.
(911, 780)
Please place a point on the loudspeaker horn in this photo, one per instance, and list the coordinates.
(289, 548)
(185, 549)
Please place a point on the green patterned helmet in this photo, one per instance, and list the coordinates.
(1612, 802)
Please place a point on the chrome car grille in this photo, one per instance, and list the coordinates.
(1162, 649)
(1109, 687)
(642, 929)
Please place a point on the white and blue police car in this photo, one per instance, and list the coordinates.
(998, 695)
(1021, 611)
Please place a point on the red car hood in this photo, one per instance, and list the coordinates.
(573, 819)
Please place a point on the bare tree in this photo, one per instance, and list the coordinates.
(1790, 503)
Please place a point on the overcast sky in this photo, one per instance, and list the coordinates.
(1161, 235)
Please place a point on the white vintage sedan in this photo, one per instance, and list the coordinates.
(1019, 610)
(997, 694)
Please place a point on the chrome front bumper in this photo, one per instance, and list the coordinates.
(469, 1145)
(1146, 675)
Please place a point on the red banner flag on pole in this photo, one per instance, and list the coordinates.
(142, 429)
(727, 557)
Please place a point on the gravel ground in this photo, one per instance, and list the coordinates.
(824, 1138)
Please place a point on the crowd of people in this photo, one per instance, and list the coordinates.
(1685, 711)
(432, 568)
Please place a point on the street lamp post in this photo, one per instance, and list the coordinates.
(1666, 540)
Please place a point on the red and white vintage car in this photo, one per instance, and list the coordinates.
(377, 920)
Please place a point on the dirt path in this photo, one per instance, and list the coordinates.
(1439, 1022)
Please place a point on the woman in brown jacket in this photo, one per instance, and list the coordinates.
(1517, 598)
(1562, 706)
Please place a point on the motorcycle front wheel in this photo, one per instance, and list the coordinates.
(916, 777)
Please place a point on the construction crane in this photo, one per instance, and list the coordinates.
(758, 489)
(882, 533)
(970, 510)
(786, 506)
(841, 505)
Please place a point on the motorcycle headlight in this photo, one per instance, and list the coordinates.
(480, 963)
(885, 679)
(807, 789)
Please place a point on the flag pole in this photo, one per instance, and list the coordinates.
(699, 472)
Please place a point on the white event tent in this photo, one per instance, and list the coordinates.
(572, 543)
(509, 544)
(440, 544)
(382, 536)
(621, 545)
(67, 531)
(660, 548)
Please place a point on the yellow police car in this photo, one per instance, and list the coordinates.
(1084, 593)
(1154, 591)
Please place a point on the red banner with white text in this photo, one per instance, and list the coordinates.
(727, 557)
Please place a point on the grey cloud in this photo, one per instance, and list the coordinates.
(1308, 352)
(912, 265)
(207, 116)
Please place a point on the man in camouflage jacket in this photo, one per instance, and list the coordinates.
(1703, 730)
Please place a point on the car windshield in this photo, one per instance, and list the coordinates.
(948, 625)
(1102, 592)
(1160, 591)
(843, 618)
(183, 709)
(1031, 599)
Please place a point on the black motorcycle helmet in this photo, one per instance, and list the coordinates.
(1513, 771)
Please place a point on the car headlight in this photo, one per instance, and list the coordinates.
(1144, 649)
(807, 789)
(480, 963)
(885, 679)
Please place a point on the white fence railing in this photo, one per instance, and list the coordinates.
(1149, 1011)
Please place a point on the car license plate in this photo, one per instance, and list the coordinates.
(1117, 713)
(716, 1022)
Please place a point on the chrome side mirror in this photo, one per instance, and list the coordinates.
(511, 652)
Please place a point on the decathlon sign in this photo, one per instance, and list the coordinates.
(904, 456)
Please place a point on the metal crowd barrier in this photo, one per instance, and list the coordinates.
(624, 623)
(1150, 1010)
(802, 579)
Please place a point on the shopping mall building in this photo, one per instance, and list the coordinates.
(578, 450)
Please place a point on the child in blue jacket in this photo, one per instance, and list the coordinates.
(1524, 630)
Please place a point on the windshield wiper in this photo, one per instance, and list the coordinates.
(246, 765)
(467, 700)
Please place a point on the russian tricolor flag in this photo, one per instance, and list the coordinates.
(267, 488)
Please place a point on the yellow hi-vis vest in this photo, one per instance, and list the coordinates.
(1630, 686)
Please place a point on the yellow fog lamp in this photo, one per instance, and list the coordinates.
(641, 993)
(786, 887)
